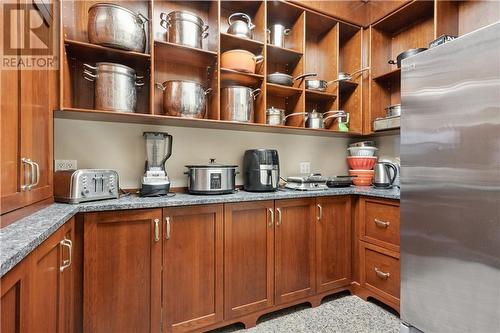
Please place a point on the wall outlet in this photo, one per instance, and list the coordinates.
(305, 167)
(60, 165)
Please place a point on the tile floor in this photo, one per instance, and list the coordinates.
(341, 313)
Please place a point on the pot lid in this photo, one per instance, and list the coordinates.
(272, 111)
(184, 15)
(211, 164)
(103, 4)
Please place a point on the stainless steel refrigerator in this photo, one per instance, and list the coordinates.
(450, 186)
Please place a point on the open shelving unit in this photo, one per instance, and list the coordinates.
(314, 44)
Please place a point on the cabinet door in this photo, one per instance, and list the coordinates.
(248, 257)
(333, 243)
(14, 308)
(192, 267)
(122, 271)
(294, 249)
(47, 292)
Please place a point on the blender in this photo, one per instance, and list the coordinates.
(158, 148)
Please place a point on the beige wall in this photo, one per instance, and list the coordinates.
(388, 145)
(121, 147)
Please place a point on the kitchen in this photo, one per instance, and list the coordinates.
(269, 190)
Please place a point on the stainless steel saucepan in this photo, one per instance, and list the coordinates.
(185, 99)
(321, 85)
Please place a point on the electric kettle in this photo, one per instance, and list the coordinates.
(383, 177)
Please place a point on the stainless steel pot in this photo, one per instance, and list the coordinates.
(317, 119)
(276, 35)
(285, 79)
(242, 27)
(321, 85)
(185, 99)
(211, 178)
(275, 116)
(184, 28)
(393, 110)
(237, 103)
(115, 86)
(116, 26)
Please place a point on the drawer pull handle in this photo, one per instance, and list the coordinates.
(381, 274)
(382, 224)
(67, 262)
(279, 217)
(157, 230)
(167, 231)
(271, 220)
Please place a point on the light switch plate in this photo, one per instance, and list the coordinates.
(61, 165)
(305, 167)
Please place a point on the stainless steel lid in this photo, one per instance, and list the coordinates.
(211, 164)
(182, 15)
(344, 76)
(115, 68)
(394, 106)
(112, 5)
(272, 111)
(314, 114)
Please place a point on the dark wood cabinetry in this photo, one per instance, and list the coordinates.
(294, 249)
(14, 309)
(248, 257)
(122, 271)
(333, 239)
(51, 277)
(192, 267)
(28, 98)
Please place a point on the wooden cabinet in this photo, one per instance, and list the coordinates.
(248, 257)
(380, 223)
(26, 135)
(51, 277)
(192, 267)
(333, 243)
(294, 249)
(14, 308)
(122, 271)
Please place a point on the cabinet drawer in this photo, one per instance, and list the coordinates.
(380, 271)
(380, 223)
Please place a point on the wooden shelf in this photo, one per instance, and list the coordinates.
(314, 95)
(347, 86)
(231, 42)
(175, 53)
(282, 91)
(283, 55)
(95, 53)
(230, 77)
(405, 16)
(391, 75)
(149, 119)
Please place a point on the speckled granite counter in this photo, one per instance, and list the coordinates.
(19, 239)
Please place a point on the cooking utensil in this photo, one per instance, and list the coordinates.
(363, 144)
(322, 85)
(75, 186)
(240, 60)
(340, 181)
(361, 162)
(237, 103)
(275, 116)
(211, 178)
(184, 28)
(115, 86)
(314, 182)
(261, 170)
(242, 27)
(441, 40)
(276, 35)
(317, 119)
(406, 54)
(116, 26)
(155, 181)
(383, 177)
(185, 99)
(363, 177)
(393, 110)
(285, 79)
(362, 151)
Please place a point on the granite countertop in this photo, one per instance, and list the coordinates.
(20, 238)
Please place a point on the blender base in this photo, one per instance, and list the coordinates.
(150, 190)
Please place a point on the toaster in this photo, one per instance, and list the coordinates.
(75, 186)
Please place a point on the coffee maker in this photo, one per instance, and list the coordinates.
(158, 148)
(261, 171)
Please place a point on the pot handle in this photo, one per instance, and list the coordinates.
(359, 71)
(160, 86)
(141, 18)
(251, 26)
(208, 91)
(204, 34)
(392, 62)
(139, 81)
(89, 76)
(286, 32)
(294, 114)
(256, 93)
(258, 59)
(164, 21)
(394, 169)
(303, 76)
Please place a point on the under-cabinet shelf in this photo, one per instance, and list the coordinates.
(314, 95)
(175, 53)
(391, 75)
(88, 51)
(232, 77)
(283, 55)
(347, 86)
(149, 119)
(282, 91)
(232, 42)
